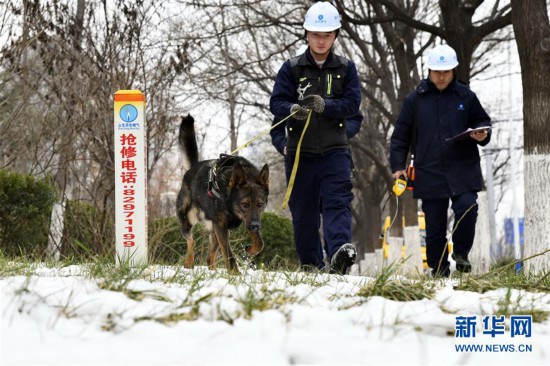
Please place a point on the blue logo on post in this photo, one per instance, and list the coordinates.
(128, 113)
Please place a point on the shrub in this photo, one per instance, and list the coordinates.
(25, 208)
(278, 235)
(166, 244)
(88, 231)
(25, 211)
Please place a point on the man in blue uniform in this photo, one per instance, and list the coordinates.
(440, 108)
(328, 85)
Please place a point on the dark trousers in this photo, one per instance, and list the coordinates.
(322, 186)
(435, 213)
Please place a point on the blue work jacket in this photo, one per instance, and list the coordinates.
(337, 82)
(443, 168)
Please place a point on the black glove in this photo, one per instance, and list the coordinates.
(314, 102)
(301, 112)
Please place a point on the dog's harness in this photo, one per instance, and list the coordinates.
(224, 161)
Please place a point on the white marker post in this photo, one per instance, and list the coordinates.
(130, 178)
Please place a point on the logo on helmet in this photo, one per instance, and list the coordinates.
(322, 17)
(441, 58)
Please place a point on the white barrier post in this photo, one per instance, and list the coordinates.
(380, 262)
(56, 230)
(396, 249)
(413, 253)
(130, 177)
(369, 267)
(480, 255)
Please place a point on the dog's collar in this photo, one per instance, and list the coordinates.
(215, 167)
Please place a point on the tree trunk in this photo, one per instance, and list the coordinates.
(65, 155)
(459, 35)
(532, 29)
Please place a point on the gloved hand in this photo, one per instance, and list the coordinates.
(301, 112)
(314, 102)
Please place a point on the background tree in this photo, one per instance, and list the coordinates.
(235, 50)
(532, 30)
(64, 64)
(456, 26)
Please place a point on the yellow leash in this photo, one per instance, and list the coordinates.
(261, 134)
(296, 160)
(295, 166)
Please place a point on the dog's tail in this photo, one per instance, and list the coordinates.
(188, 141)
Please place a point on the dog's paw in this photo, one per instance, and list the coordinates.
(189, 262)
(235, 272)
(253, 250)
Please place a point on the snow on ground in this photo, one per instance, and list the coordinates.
(59, 316)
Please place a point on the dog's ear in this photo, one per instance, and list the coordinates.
(238, 177)
(263, 177)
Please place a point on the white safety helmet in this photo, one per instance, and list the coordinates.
(441, 58)
(322, 17)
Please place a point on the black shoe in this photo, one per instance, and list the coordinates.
(462, 264)
(442, 272)
(343, 259)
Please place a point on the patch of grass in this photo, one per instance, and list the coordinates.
(188, 309)
(508, 306)
(389, 286)
(279, 263)
(191, 312)
(264, 300)
(171, 318)
(117, 278)
(314, 278)
(109, 323)
(26, 265)
(11, 267)
(504, 279)
(503, 275)
(140, 295)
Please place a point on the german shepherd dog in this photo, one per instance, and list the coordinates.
(221, 194)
